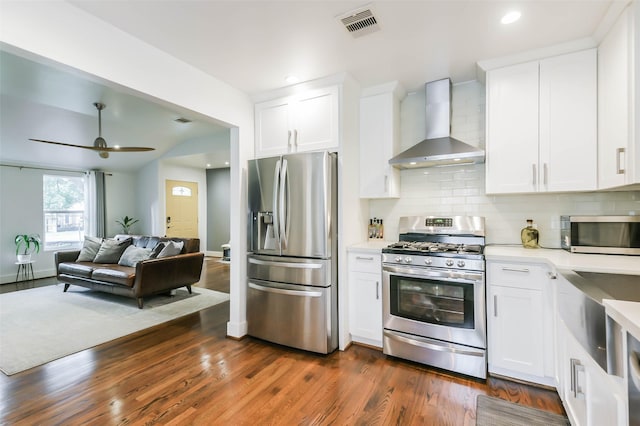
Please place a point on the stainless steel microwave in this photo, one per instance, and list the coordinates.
(601, 234)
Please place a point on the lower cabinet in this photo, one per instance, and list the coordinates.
(365, 297)
(520, 322)
(590, 395)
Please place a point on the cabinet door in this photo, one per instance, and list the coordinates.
(365, 297)
(315, 120)
(365, 308)
(568, 122)
(614, 91)
(272, 128)
(379, 117)
(515, 330)
(512, 129)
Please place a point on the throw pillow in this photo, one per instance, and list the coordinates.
(111, 250)
(133, 255)
(156, 250)
(171, 248)
(89, 249)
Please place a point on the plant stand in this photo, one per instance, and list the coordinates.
(25, 271)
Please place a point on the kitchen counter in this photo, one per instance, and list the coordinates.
(563, 259)
(627, 314)
(371, 245)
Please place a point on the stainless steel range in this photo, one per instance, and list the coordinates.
(433, 293)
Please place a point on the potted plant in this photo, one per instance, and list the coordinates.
(30, 243)
(126, 223)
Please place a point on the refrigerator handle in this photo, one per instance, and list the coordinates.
(282, 212)
(276, 222)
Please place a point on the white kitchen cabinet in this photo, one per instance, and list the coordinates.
(307, 121)
(365, 297)
(541, 125)
(618, 68)
(519, 321)
(590, 396)
(379, 140)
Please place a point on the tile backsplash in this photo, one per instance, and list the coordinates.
(460, 190)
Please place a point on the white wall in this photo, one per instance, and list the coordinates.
(120, 201)
(56, 31)
(461, 189)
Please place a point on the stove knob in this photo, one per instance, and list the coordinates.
(407, 259)
(461, 263)
(398, 259)
(449, 262)
(428, 261)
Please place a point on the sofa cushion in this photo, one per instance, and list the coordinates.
(111, 250)
(89, 250)
(124, 275)
(133, 255)
(76, 269)
(171, 248)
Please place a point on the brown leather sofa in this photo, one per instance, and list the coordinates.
(151, 276)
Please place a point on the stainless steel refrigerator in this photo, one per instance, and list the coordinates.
(292, 238)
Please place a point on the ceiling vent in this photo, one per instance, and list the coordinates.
(182, 120)
(360, 22)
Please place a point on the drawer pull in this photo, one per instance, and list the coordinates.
(364, 258)
(525, 270)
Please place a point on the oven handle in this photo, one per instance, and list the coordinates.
(441, 347)
(469, 277)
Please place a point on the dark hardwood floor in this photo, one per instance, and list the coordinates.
(187, 372)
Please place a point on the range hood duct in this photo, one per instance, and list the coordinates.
(439, 148)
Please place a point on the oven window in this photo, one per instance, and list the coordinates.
(436, 302)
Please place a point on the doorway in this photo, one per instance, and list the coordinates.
(181, 209)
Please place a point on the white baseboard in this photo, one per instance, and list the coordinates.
(41, 273)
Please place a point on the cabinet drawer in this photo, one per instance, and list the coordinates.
(365, 262)
(518, 275)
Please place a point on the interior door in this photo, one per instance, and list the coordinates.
(181, 209)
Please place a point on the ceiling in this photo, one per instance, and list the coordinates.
(253, 45)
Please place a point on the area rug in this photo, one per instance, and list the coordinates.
(492, 411)
(42, 324)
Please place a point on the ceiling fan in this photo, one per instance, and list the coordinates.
(100, 144)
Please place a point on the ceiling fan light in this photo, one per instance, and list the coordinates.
(103, 154)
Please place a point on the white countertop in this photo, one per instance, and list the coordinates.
(370, 245)
(562, 259)
(627, 314)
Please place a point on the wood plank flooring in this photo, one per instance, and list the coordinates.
(186, 372)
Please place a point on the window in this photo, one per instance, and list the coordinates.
(181, 191)
(64, 211)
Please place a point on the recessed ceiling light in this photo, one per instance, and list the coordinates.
(291, 79)
(208, 165)
(226, 163)
(511, 17)
(116, 147)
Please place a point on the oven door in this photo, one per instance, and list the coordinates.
(436, 303)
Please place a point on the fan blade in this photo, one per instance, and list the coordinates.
(103, 149)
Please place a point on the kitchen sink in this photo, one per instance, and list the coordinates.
(598, 285)
(580, 296)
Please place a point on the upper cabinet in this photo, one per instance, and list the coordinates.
(379, 140)
(307, 121)
(618, 73)
(541, 125)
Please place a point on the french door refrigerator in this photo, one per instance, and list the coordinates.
(292, 239)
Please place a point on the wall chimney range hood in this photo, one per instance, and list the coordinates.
(439, 148)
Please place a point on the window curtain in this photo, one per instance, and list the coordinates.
(96, 205)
